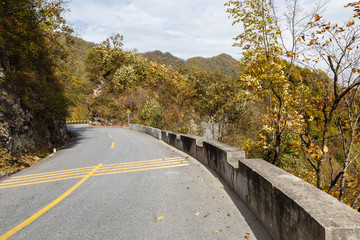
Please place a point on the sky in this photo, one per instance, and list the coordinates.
(185, 28)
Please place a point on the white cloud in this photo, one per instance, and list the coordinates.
(186, 28)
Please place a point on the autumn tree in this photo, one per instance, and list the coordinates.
(218, 101)
(266, 74)
(29, 52)
(347, 119)
(333, 55)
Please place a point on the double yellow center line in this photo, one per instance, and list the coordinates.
(103, 170)
(45, 209)
(84, 173)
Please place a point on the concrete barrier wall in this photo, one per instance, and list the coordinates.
(288, 207)
(154, 132)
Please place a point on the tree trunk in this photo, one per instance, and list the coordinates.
(323, 157)
(319, 175)
(342, 185)
(278, 136)
(276, 160)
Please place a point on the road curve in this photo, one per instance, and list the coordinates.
(114, 183)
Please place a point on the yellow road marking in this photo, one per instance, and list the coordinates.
(45, 209)
(112, 145)
(134, 167)
(142, 163)
(110, 136)
(143, 169)
(104, 170)
(88, 168)
(44, 178)
(99, 174)
(159, 159)
(45, 181)
(60, 171)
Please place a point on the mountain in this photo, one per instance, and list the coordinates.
(223, 62)
(166, 59)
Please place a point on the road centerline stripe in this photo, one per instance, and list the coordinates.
(45, 209)
(53, 172)
(82, 172)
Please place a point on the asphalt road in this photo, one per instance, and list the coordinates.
(114, 183)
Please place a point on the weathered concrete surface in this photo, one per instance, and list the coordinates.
(154, 132)
(288, 207)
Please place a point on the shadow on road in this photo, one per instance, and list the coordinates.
(77, 133)
(255, 224)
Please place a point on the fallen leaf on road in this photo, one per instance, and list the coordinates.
(228, 214)
(188, 188)
(197, 214)
(247, 237)
(159, 218)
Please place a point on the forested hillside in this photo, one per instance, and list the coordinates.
(72, 73)
(223, 63)
(166, 59)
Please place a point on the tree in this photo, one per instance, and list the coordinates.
(347, 120)
(333, 48)
(29, 51)
(218, 101)
(266, 74)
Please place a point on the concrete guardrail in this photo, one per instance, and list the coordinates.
(288, 207)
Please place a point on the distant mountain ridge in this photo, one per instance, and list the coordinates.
(166, 59)
(223, 62)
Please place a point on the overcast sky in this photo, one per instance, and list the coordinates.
(185, 28)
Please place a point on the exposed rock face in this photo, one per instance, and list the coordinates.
(19, 131)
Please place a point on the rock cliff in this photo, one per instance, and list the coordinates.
(20, 131)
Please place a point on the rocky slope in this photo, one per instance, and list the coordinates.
(21, 132)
